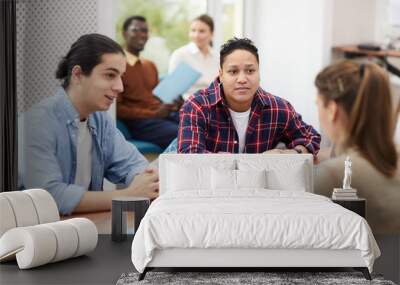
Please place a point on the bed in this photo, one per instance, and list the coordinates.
(247, 210)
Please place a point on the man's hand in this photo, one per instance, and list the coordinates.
(273, 151)
(165, 110)
(289, 151)
(145, 184)
(178, 103)
(301, 148)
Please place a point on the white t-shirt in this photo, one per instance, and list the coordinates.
(208, 65)
(83, 174)
(240, 121)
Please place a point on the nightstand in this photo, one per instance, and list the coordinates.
(358, 206)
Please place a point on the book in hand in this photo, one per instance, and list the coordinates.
(176, 83)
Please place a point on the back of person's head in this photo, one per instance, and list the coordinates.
(206, 20)
(363, 92)
(237, 44)
(85, 52)
(129, 21)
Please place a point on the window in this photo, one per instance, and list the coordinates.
(228, 18)
(168, 21)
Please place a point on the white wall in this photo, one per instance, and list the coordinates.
(294, 41)
(383, 28)
(354, 21)
(106, 25)
(45, 32)
(106, 14)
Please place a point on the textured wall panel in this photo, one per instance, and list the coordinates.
(45, 31)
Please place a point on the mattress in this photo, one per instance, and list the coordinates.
(250, 219)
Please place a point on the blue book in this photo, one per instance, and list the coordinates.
(176, 83)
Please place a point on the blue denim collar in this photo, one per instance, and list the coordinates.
(67, 112)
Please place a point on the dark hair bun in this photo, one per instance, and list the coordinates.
(62, 69)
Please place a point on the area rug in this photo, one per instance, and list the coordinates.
(269, 278)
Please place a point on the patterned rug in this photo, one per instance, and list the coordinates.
(270, 278)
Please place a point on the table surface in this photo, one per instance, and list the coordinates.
(104, 265)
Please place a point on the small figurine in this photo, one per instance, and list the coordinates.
(347, 173)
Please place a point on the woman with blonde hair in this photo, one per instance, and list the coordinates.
(356, 112)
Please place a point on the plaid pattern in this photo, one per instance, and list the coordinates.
(206, 124)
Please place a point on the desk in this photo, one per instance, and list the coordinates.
(352, 51)
(104, 265)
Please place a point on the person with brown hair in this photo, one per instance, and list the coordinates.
(198, 53)
(356, 112)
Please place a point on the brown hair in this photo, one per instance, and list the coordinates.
(206, 20)
(363, 91)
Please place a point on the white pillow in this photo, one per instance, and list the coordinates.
(188, 177)
(223, 179)
(293, 179)
(251, 178)
(226, 179)
(282, 173)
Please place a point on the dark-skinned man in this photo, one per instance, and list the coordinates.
(145, 115)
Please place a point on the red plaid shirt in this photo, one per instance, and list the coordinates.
(206, 124)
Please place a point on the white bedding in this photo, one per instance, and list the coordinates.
(252, 218)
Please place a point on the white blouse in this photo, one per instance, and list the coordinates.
(208, 65)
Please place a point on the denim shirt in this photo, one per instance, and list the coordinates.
(49, 151)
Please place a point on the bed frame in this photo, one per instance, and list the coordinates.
(245, 259)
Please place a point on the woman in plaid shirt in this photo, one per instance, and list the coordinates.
(235, 115)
